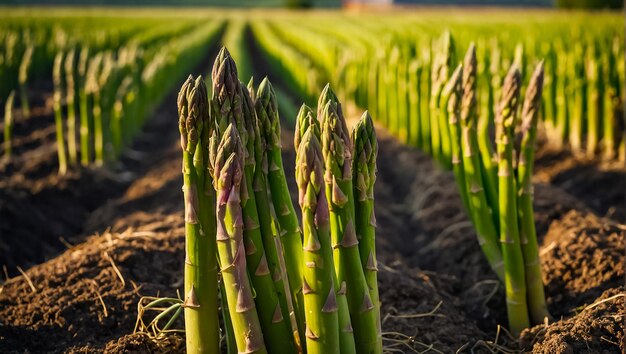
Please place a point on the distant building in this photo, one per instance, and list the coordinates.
(359, 3)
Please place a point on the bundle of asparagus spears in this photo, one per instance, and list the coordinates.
(284, 287)
(497, 190)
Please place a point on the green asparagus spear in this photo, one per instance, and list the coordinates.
(83, 96)
(58, 111)
(338, 153)
(8, 124)
(451, 97)
(320, 299)
(514, 275)
(276, 328)
(24, 69)
(305, 121)
(70, 81)
(363, 179)
(228, 169)
(201, 324)
(290, 234)
(479, 208)
(269, 231)
(528, 235)
(346, 333)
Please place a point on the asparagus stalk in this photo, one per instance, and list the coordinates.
(514, 275)
(83, 96)
(595, 91)
(117, 117)
(290, 234)
(269, 231)
(579, 101)
(488, 157)
(276, 329)
(401, 78)
(452, 98)
(346, 333)
(320, 299)
(228, 169)
(562, 97)
(363, 179)
(479, 209)
(305, 121)
(611, 102)
(8, 124)
(99, 91)
(70, 81)
(414, 92)
(58, 111)
(444, 75)
(435, 94)
(91, 87)
(231, 104)
(528, 235)
(338, 153)
(201, 324)
(24, 68)
(426, 113)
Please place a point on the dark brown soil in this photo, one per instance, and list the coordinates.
(585, 256)
(601, 185)
(437, 291)
(598, 328)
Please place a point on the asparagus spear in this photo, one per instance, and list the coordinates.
(441, 133)
(320, 299)
(611, 104)
(70, 81)
(228, 169)
(338, 153)
(305, 121)
(528, 235)
(201, 325)
(276, 329)
(231, 103)
(451, 97)
(479, 209)
(579, 101)
(514, 275)
(58, 112)
(8, 124)
(363, 179)
(595, 91)
(269, 230)
(24, 68)
(488, 157)
(83, 96)
(435, 93)
(415, 115)
(346, 333)
(290, 234)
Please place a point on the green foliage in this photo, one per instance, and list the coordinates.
(590, 4)
(299, 4)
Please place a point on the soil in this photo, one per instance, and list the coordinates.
(438, 294)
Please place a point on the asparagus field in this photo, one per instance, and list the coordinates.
(432, 180)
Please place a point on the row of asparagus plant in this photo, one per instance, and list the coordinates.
(580, 82)
(285, 286)
(29, 51)
(102, 99)
(499, 198)
(493, 177)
